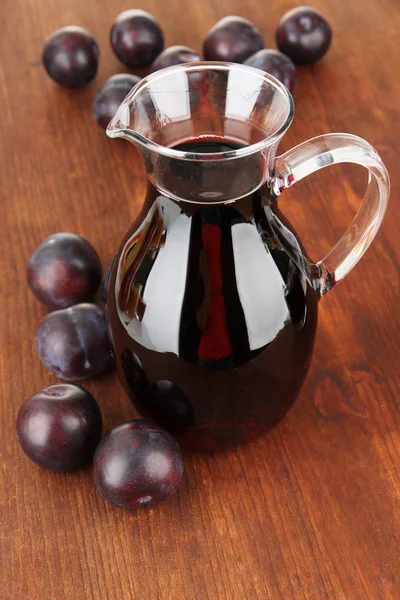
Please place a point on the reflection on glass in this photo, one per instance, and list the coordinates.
(204, 287)
(170, 407)
(262, 298)
(171, 97)
(242, 93)
(153, 267)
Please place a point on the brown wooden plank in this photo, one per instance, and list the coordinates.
(310, 512)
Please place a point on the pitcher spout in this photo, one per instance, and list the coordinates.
(243, 109)
(119, 124)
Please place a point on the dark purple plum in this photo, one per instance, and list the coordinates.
(137, 463)
(136, 38)
(59, 427)
(169, 406)
(174, 55)
(64, 270)
(304, 35)
(73, 343)
(110, 96)
(232, 39)
(276, 64)
(71, 56)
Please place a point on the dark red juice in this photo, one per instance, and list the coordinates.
(212, 320)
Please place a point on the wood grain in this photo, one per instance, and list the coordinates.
(310, 512)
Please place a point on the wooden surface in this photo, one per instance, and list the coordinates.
(309, 512)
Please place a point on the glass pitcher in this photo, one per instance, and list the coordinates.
(212, 300)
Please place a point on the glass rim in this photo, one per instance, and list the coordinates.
(113, 130)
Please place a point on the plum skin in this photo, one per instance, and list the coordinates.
(174, 55)
(110, 96)
(304, 35)
(136, 38)
(232, 39)
(276, 64)
(59, 427)
(137, 463)
(70, 56)
(73, 343)
(64, 270)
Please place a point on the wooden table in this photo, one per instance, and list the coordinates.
(312, 510)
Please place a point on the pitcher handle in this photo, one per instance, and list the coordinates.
(330, 149)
